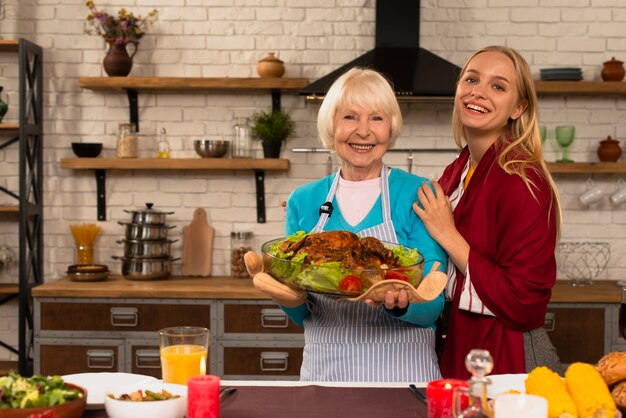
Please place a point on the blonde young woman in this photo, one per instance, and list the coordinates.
(496, 212)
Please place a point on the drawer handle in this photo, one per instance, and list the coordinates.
(274, 318)
(274, 361)
(148, 359)
(124, 317)
(100, 359)
(549, 322)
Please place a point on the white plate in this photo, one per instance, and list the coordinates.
(501, 383)
(97, 384)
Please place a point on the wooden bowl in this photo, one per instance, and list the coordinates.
(72, 409)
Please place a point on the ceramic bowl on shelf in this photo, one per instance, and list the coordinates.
(211, 148)
(87, 149)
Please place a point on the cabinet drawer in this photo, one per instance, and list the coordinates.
(261, 361)
(256, 318)
(60, 357)
(70, 316)
(577, 332)
(144, 359)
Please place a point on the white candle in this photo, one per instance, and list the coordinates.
(521, 405)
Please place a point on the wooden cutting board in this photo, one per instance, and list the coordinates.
(197, 246)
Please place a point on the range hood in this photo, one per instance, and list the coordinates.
(413, 71)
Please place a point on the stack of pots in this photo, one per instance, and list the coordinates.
(146, 247)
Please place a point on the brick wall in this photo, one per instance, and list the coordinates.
(217, 38)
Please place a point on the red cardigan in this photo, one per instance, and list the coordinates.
(512, 238)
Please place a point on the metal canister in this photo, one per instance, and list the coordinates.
(240, 244)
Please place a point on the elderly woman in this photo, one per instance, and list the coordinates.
(393, 340)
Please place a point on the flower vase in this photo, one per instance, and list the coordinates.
(3, 106)
(117, 62)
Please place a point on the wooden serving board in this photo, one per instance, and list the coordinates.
(197, 246)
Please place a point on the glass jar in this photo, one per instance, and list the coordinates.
(126, 141)
(242, 143)
(240, 244)
(163, 146)
(84, 254)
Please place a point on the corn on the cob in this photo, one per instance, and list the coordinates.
(590, 392)
(547, 384)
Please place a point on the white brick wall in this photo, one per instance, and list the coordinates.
(219, 38)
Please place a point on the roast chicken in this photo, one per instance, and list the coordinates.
(353, 252)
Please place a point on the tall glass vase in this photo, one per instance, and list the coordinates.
(117, 62)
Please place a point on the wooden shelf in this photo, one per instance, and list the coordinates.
(9, 209)
(175, 163)
(9, 289)
(191, 83)
(587, 168)
(9, 45)
(100, 165)
(9, 127)
(580, 87)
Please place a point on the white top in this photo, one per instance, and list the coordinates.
(357, 198)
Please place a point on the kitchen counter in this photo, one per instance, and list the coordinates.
(602, 291)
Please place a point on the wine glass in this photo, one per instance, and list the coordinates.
(543, 131)
(622, 315)
(564, 136)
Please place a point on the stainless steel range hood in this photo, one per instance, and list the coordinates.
(414, 72)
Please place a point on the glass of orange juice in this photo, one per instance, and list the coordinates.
(184, 353)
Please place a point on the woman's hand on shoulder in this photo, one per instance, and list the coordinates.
(434, 209)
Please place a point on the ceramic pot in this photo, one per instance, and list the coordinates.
(117, 62)
(613, 70)
(609, 150)
(272, 149)
(270, 66)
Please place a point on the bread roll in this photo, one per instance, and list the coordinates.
(619, 394)
(612, 367)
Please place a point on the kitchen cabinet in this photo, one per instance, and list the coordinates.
(112, 326)
(27, 135)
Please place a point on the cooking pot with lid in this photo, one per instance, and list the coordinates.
(148, 216)
(140, 231)
(146, 248)
(146, 268)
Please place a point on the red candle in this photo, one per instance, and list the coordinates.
(439, 394)
(203, 397)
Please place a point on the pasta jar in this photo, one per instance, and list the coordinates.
(240, 244)
(126, 141)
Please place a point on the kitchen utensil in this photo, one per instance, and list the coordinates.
(146, 248)
(148, 215)
(197, 246)
(211, 148)
(84, 237)
(417, 393)
(581, 262)
(143, 268)
(146, 231)
(87, 273)
(226, 391)
(87, 149)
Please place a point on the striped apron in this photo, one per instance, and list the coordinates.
(352, 342)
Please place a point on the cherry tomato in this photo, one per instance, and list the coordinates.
(396, 275)
(350, 284)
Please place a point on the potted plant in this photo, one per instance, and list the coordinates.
(272, 128)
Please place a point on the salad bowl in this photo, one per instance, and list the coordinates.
(347, 277)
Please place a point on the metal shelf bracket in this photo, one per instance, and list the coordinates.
(133, 107)
(259, 176)
(101, 194)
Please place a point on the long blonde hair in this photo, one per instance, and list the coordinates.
(520, 148)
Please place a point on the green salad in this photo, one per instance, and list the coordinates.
(30, 392)
(332, 277)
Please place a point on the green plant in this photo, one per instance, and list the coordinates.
(272, 126)
(124, 29)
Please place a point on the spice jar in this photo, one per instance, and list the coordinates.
(240, 244)
(126, 141)
(242, 143)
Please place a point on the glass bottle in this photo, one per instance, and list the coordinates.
(473, 402)
(3, 106)
(240, 244)
(163, 146)
(242, 143)
(126, 141)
